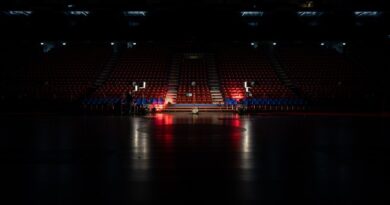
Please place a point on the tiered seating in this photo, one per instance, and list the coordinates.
(242, 64)
(139, 65)
(323, 75)
(63, 74)
(193, 69)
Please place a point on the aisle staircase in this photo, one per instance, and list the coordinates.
(105, 73)
(173, 79)
(281, 73)
(212, 83)
(213, 80)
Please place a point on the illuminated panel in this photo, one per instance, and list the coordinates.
(77, 13)
(252, 13)
(309, 13)
(367, 13)
(135, 13)
(19, 13)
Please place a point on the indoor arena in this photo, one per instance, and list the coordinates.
(194, 102)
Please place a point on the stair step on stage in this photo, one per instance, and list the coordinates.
(201, 108)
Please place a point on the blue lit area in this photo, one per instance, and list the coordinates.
(252, 13)
(309, 13)
(367, 13)
(19, 13)
(77, 13)
(135, 13)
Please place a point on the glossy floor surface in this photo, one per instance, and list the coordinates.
(205, 159)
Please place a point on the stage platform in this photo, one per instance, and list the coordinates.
(201, 108)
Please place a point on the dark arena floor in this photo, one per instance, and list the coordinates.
(210, 158)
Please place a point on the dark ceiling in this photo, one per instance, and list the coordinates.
(269, 4)
(191, 19)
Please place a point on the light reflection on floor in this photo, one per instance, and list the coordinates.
(220, 157)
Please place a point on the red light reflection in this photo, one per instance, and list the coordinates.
(163, 119)
(164, 129)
